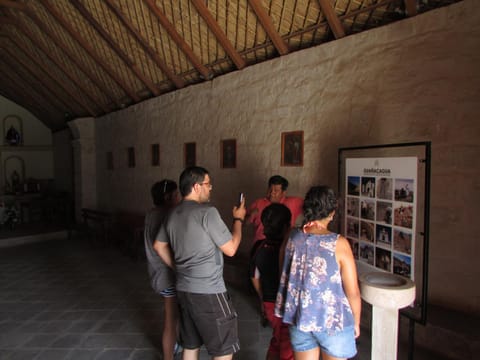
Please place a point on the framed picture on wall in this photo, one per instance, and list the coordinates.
(155, 154)
(228, 151)
(109, 160)
(292, 148)
(190, 153)
(131, 157)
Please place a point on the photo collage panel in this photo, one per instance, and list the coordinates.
(379, 221)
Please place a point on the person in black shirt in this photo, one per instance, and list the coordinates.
(266, 276)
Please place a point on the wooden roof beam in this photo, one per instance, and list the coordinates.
(85, 45)
(28, 99)
(365, 9)
(37, 111)
(59, 64)
(6, 21)
(332, 18)
(187, 50)
(114, 46)
(12, 4)
(267, 24)
(26, 102)
(57, 81)
(66, 50)
(177, 80)
(51, 93)
(323, 23)
(33, 96)
(411, 7)
(217, 31)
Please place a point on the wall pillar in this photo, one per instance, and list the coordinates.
(84, 164)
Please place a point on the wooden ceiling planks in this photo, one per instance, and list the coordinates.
(68, 58)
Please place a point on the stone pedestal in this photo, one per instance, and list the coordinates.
(387, 293)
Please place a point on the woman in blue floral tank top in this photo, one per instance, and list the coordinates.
(318, 293)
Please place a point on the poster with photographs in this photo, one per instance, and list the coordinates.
(380, 212)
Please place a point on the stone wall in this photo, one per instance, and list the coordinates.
(415, 80)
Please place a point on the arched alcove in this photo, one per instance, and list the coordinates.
(16, 123)
(11, 165)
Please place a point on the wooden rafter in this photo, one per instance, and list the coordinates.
(26, 102)
(323, 23)
(168, 26)
(51, 93)
(365, 9)
(58, 82)
(411, 7)
(267, 24)
(178, 81)
(24, 97)
(219, 34)
(60, 65)
(66, 50)
(332, 18)
(5, 21)
(85, 45)
(172, 43)
(114, 46)
(12, 4)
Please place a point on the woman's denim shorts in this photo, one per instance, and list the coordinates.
(339, 344)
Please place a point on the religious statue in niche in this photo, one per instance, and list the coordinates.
(13, 136)
(15, 182)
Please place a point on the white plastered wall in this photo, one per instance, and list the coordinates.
(415, 80)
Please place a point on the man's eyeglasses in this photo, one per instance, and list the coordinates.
(206, 183)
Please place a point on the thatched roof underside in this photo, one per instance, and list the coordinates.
(64, 59)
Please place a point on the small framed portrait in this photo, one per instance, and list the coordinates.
(131, 157)
(109, 160)
(292, 148)
(190, 154)
(228, 151)
(155, 154)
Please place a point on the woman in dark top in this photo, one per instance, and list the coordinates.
(266, 276)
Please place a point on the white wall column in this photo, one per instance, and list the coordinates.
(84, 164)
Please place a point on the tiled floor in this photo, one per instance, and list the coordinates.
(62, 299)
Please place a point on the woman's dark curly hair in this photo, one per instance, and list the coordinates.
(319, 202)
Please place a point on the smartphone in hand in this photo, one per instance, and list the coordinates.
(241, 197)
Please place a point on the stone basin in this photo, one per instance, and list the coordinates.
(386, 290)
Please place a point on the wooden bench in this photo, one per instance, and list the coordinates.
(98, 225)
(128, 233)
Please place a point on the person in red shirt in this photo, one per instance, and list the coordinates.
(276, 193)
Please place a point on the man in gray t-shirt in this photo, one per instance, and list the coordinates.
(192, 241)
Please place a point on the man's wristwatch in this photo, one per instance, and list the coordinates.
(239, 219)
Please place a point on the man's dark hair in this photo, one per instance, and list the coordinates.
(160, 189)
(275, 218)
(190, 176)
(319, 202)
(278, 180)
